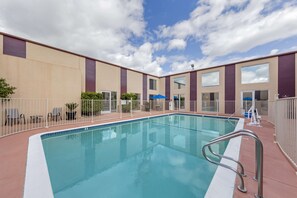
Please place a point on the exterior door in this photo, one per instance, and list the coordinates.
(247, 100)
(179, 101)
(106, 102)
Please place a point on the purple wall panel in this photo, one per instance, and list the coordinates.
(286, 76)
(90, 75)
(144, 86)
(230, 89)
(193, 90)
(123, 81)
(167, 91)
(14, 47)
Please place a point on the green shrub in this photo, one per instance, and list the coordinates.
(89, 98)
(129, 96)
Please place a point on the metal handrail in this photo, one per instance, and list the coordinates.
(229, 158)
(259, 158)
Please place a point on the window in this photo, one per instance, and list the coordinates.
(179, 83)
(14, 47)
(153, 84)
(210, 101)
(255, 74)
(210, 79)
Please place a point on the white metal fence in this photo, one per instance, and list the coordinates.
(18, 115)
(286, 127)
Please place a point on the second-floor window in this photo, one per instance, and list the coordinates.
(153, 84)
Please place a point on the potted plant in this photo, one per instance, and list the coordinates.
(70, 113)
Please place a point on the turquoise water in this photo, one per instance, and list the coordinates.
(156, 157)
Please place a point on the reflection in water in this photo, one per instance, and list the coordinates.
(158, 157)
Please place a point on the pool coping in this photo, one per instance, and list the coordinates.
(37, 180)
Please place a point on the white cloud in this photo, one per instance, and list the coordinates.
(222, 30)
(98, 28)
(177, 44)
(274, 51)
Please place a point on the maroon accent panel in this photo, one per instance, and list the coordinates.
(123, 81)
(193, 90)
(167, 91)
(14, 47)
(90, 75)
(230, 89)
(286, 76)
(144, 86)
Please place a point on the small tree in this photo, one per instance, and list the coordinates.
(5, 89)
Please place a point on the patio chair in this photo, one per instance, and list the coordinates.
(55, 114)
(12, 116)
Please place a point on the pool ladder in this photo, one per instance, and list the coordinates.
(240, 173)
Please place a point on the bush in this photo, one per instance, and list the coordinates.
(129, 96)
(89, 98)
(5, 89)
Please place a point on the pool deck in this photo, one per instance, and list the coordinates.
(280, 179)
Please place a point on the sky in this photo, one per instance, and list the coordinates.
(159, 37)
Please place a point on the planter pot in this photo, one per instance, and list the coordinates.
(71, 115)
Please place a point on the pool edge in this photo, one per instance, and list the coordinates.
(224, 178)
(37, 181)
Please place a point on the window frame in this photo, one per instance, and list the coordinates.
(241, 73)
(213, 85)
(154, 81)
(183, 87)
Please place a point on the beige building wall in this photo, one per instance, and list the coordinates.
(149, 91)
(271, 86)
(162, 86)
(219, 88)
(108, 78)
(134, 82)
(185, 91)
(38, 78)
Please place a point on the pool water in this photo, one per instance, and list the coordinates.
(155, 157)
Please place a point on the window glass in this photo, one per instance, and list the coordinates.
(255, 74)
(179, 83)
(153, 84)
(210, 79)
(210, 101)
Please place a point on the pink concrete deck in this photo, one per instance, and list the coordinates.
(280, 179)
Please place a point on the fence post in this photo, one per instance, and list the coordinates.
(92, 110)
(120, 107)
(218, 107)
(150, 107)
(46, 115)
(131, 107)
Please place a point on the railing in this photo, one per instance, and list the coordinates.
(240, 174)
(286, 127)
(40, 113)
(17, 115)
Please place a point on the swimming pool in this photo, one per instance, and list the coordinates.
(156, 157)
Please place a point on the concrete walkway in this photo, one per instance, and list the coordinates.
(280, 179)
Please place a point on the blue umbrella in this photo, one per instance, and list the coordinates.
(248, 98)
(159, 96)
